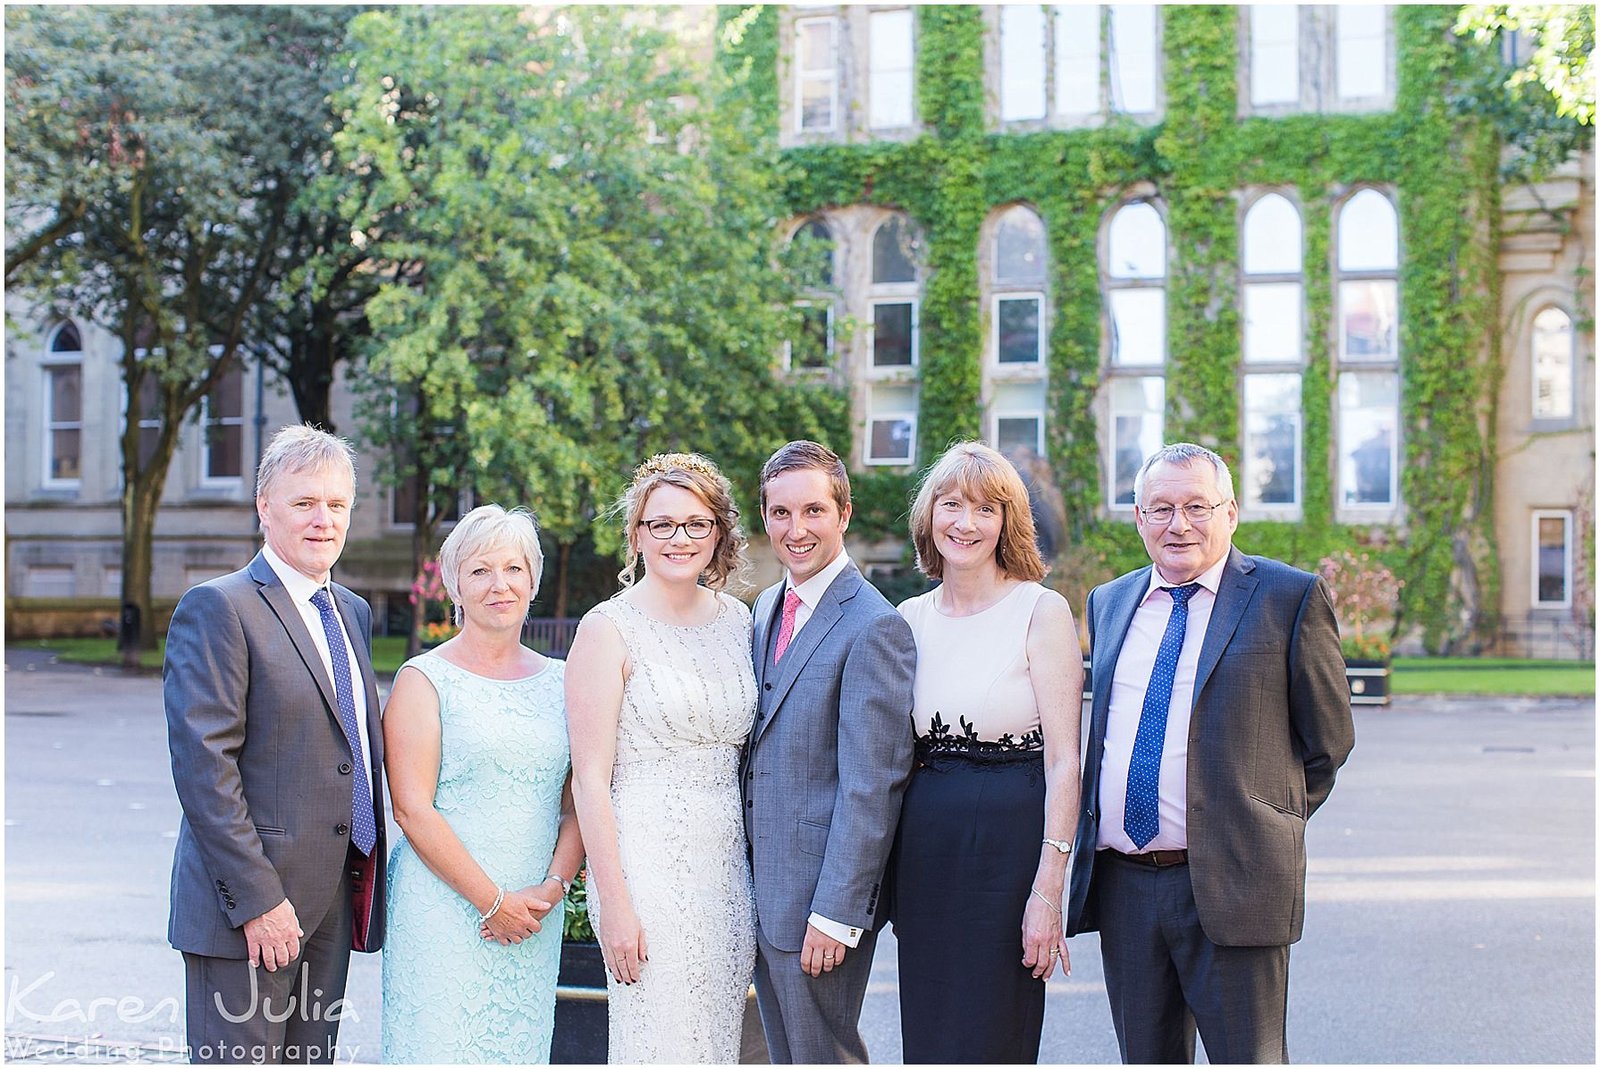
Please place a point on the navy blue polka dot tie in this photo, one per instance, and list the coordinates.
(363, 825)
(1141, 816)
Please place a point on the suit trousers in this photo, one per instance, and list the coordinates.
(236, 1012)
(1164, 977)
(813, 1019)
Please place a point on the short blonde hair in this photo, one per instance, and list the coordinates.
(698, 475)
(979, 472)
(299, 447)
(485, 528)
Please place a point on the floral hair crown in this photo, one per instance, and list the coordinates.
(662, 463)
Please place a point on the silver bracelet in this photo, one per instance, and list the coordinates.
(1055, 908)
(499, 897)
(1060, 844)
(566, 885)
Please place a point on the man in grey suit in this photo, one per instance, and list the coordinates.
(826, 765)
(277, 754)
(1220, 716)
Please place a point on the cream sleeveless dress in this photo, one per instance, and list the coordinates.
(687, 709)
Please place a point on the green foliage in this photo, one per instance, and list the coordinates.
(1562, 61)
(591, 294)
(1438, 154)
(154, 156)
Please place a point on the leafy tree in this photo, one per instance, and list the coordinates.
(595, 228)
(1542, 106)
(153, 159)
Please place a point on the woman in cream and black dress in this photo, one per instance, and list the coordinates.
(985, 832)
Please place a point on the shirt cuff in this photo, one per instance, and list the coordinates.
(847, 934)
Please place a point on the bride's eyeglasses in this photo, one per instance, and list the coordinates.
(664, 529)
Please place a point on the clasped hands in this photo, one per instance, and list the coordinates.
(521, 913)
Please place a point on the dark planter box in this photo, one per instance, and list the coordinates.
(1369, 681)
(580, 1035)
(581, 1020)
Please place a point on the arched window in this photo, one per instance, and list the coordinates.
(63, 407)
(1552, 365)
(1136, 301)
(1270, 261)
(1015, 372)
(1368, 318)
(893, 309)
(812, 252)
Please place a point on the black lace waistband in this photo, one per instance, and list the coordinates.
(942, 739)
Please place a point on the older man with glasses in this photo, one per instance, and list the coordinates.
(1220, 717)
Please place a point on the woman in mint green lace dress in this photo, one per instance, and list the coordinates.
(476, 741)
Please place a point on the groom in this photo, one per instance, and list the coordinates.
(826, 765)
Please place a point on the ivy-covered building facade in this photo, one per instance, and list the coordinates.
(1080, 231)
(1076, 232)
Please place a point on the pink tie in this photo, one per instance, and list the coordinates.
(791, 605)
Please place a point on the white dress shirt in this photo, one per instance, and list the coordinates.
(811, 592)
(301, 589)
(1128, 684)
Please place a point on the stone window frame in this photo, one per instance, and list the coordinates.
(1056, 115)
(52, 361)
(1249, 202)
(1113, 373)
(1318, 65)
(1568, 527)
(1544, 422)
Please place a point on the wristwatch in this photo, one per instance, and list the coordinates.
(1060, 844)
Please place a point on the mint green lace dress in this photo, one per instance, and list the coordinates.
(448, 995)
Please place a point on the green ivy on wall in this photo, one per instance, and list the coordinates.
(1199, 162)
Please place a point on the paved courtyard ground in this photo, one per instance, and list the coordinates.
(1451, 913)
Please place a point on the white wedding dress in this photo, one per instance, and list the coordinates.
(687, 708)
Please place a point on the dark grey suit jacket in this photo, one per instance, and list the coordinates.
(262, 767)
(828, 759)
(1270, 727)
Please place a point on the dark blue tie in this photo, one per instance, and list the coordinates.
(1141, 816)
(363, 825)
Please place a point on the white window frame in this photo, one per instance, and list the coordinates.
(1565, 516)
(1367, 510)
(877, 75)
(1113, 67)
(1336, 42)
(1272, 509)
(1014, 91)
(803, 75)
(890, 417)
(1253, 56)
(1110, 444)
(788, 346)
(49, 367)
(1060, 103)
(1037, 415)
(1571, 371)
(872, 332)
(221, 482)
(994, 328)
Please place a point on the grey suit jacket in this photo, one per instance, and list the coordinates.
(828, 758)
(262, 767)
(1270, 727)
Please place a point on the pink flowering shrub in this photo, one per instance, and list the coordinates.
(1366, 596)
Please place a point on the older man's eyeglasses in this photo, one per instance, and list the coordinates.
(665, 529)
(1194, 512)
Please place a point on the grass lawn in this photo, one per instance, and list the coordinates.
(1492, 676)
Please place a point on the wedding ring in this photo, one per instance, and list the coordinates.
(1055, 952)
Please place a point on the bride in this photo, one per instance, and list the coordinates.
(660, 697)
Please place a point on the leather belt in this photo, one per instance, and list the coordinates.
(1156, 859)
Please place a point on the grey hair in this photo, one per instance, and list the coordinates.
(303, 447)
(485, 528)
(1184, 454)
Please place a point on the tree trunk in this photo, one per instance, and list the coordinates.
(141, 499)
(563, 559)
(419, 557)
